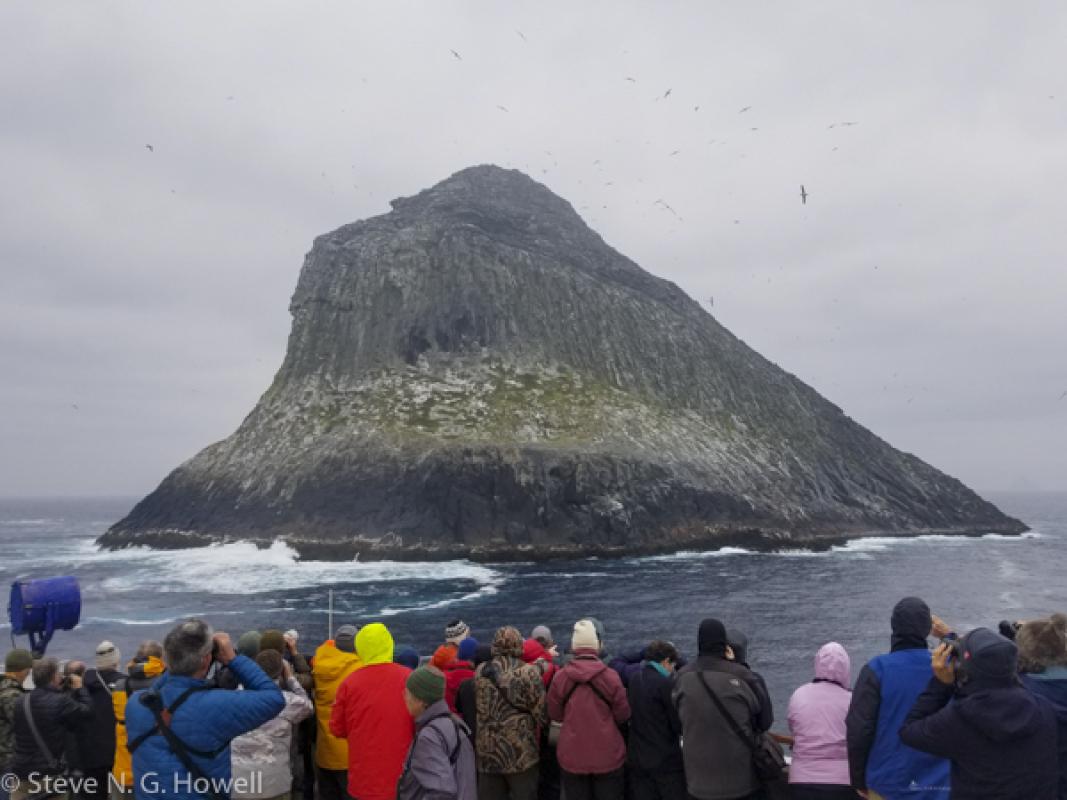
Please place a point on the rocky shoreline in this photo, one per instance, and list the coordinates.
(753, 540)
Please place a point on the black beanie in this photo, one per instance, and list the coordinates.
(711, 641)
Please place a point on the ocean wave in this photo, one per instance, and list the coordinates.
(484, 591)
(244, 568)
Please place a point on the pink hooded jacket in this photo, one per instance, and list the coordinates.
(817, 720)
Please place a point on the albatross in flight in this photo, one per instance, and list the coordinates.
(803, 195)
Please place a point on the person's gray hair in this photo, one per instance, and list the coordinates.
(44, 671)
(186, 645)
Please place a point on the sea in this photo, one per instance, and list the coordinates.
(788, 604)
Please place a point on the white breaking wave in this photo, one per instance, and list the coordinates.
(243, 568)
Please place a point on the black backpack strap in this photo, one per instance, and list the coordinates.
(727, 715)
(591, 685)
(153, 700)
(28, 712)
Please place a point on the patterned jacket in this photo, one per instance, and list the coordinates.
(510, 701)
(10, 692)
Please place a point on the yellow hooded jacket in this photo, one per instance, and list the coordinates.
(122, 769)
(330, 667)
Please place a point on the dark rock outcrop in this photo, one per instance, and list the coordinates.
(478, 374)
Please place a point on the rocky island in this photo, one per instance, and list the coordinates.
(477, 374)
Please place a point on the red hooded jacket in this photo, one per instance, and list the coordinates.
(588, 697)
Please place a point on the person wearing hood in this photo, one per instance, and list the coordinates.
(1042, 647)
(1000, 738)
(142, 672)
(533, 652)
(718, 764)
(819, 770)
(440, 763)
(370, 713)
(587, 697)
(459, 669)
(510, 702)
(885, 691)
(654, 751)
(334, 661)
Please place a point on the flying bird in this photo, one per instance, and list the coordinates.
(631, 80)
(150, 148)
(667, 93)
(457, 55)
(503, 109)
(676, 152)
(1063, 395)
(74, 406)
(743, 110)
(696, 108)
(803, 195)
(522, 35)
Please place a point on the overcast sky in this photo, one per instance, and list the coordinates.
(923, 288)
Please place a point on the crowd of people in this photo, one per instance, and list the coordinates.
(981, 715)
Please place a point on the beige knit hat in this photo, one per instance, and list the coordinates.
(584, 635)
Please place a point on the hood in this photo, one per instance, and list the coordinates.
(151, 668)
(1003, 714)
(989, 660)
(586, 664)
(374, 644)
(533, 650)
(711, 638)
(739, 644)
(331, 663)
(911, 623)
(507, 642)
(832, 664)
(1052, 687)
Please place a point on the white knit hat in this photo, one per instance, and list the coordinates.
(584, 635)
(107, 656)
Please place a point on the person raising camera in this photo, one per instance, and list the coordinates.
(180, 730)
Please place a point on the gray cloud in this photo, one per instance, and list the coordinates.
(921, 289)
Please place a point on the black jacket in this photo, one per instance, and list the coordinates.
(654, 724)
(466, 705)
(1001, 740)
(91, 743)
(54, 712)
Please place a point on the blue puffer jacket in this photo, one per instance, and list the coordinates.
(207, 720)
(1052, 685)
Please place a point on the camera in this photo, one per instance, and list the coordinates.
(1008, 629)
(214, 650)
(955, 647)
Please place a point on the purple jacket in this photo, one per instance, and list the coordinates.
(440, 763)
(817, 720)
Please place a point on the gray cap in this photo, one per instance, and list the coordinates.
(542, 632)
(345, 638)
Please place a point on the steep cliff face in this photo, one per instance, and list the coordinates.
(476, 373)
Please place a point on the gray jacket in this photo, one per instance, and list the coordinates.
(440, 763)
(717, 763)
